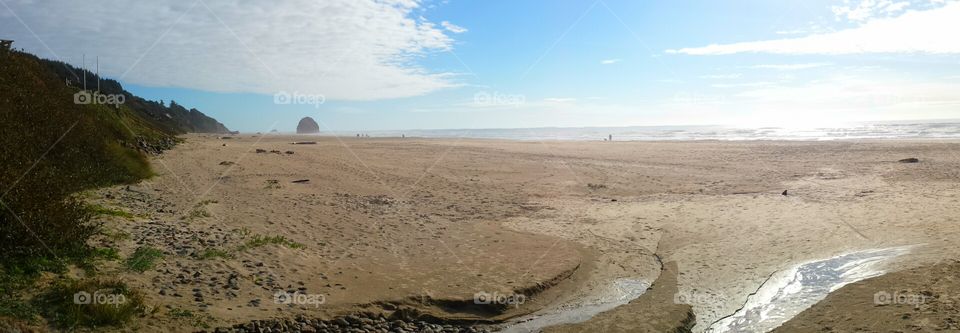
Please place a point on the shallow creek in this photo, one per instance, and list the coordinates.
(789, 292)
(783, 296)
(620, 292)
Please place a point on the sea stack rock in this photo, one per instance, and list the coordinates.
(307, 126)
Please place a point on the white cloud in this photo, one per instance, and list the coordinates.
(343, 49)
(930, 31)
(868, 9)
(792, 67)
(453, 27)
(610, 61)
(559, 100)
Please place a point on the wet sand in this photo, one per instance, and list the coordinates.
(426, 225)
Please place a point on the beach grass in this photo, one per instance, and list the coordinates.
(215, 253)
(143, 259)
(260, 240)
(91, 303)
(101, 210)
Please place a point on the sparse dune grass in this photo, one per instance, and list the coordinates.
(260, 240)
(101, 210)
(91, 303)
(143, 258)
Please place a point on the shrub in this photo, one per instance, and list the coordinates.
(91, 303)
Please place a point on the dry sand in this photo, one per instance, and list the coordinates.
(427, 224)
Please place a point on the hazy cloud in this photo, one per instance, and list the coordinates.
(453, 27)
(930, 31)
(868, 9)
(343, 49)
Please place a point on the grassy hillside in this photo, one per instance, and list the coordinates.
(172, 119)
(52, 147)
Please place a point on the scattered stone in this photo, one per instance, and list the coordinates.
(596, 186)
(261, 151)
(301, 181)
(305, 143)
(784, 193)
(227, 163)
(910, 160)
(289, 152)
(350, 323)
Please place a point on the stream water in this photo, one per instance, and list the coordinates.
(782, 297)
(619, 293)
(788, 293)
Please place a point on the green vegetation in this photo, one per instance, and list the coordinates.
(197, 213)
(180, 313)
(215, 253)
(143, 258)
(243, 231)
(53, 150)
(16, 308)
(92, 303)
(199, 320)
(101, 210)
(115, 235)
(259, 240)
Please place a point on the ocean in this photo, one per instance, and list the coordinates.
(940, 129)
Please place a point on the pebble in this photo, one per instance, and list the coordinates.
(348, 323)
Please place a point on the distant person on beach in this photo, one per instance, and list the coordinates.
(610, 137)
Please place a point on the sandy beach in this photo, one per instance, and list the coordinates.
(424, 226)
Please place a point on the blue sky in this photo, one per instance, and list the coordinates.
(403, 64)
